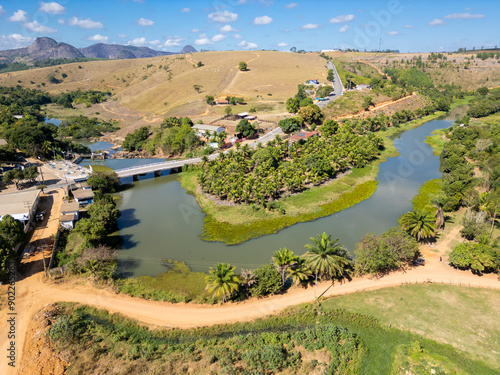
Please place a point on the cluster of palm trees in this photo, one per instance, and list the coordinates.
(267, 173)
(324, 260)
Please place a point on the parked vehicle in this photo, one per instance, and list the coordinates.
(419, 262)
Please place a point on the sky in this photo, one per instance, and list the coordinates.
(168, 25)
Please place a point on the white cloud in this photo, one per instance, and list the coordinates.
(145, 22)
(264, 20)
(98, 38)
(282, 44)
(39, 28)
(138, 42)
(195, 30)
(247, 45)
(455, 16)
(342, 18)
(174, 41)
(85, 24)
(237, 36)
(121, 36)
(203, 40)
(343, 29)
(14, 41)
(392, 33)
(242, 2)
(218, 38)
(310, 26)
(435, 22)
(291, 5)
(227, 29)
(2, 11)
(19, 16)
(186, 10)
(52, 8)
(155, 42)
(61, 21)
(225, 16)
(409, 27)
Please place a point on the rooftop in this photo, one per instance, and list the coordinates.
(83, 194)
(68, 217)
(70, 207)
(16, 203)
(205, 127)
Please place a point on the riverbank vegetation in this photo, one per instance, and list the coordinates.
(23, 126)
(303, 339)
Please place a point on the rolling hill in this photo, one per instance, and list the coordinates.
(165, 85)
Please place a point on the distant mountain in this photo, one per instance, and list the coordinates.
(188, 49)
(47, 48)
(117, 51)
(42, 48)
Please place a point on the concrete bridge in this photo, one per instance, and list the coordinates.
(176, 165)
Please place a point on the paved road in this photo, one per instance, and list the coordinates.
(337, 87)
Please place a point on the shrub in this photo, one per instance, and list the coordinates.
(268, 281)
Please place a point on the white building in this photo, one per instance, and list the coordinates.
(202, 129)
(21, 206)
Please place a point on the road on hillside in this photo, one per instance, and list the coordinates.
(337, 87)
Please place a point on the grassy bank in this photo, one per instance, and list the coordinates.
(298, 341)
(459, 316)
(233, 224)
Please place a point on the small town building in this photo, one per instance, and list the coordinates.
(83, 197)
(20, 205)
(220, 101)
(249, 117)
(363, 87)
(304, 135)
(67, 221)
(70, 208)
(312, 82)
(202, 129)
(242, 114)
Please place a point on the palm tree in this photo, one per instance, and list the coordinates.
(327, 259)
(222, 280)
(439, 203)
(420, 224)
(283, 259)
(247, 279)
(299, 271)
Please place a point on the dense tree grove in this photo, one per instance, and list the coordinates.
(270, 172)
(485, 104)
(11, 233)
(22, 124)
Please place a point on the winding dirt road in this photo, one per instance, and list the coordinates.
(32, 293)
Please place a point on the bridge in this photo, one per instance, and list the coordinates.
(176, 165)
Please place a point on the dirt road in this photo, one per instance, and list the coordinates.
(33, 293)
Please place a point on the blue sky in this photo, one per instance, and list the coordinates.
(407, 25)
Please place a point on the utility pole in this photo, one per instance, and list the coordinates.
(43, 256)
(380, 45)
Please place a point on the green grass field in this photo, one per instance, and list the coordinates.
(466, 318)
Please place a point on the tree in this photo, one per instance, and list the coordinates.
(292, 105)
(293, 49)
(11, 231)
(135, 141)
(330, 76)
(299, 271)
(477, 257)
(268, 281)
(246, 128)
(420, 224)
(247, 280)
(329, 128)
(283, 259)
(104, 181)
(439, 203)
(222, 281)
(30, 173)
(305, 102)
(14, 175)
(106, 213)
(242, 66)
(228, 111)
(209, 99)
(200, 64)
(367, 102)
(92, 231)
(311, 114)
(327, 259)
(197, 88)
(389, 251)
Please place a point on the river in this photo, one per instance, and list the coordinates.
(161, 221)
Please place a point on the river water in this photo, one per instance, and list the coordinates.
(161, 221)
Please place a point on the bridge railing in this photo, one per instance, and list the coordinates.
(155, 164)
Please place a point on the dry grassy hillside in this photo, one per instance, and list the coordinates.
(164, 85)
(478, 73)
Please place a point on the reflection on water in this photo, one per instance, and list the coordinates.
(160, 220)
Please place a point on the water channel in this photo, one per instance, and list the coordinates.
(161, 221)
